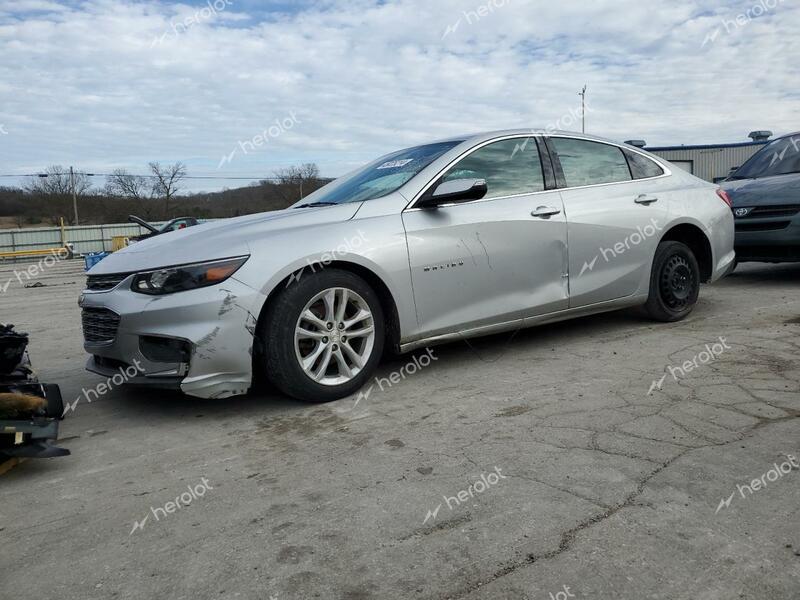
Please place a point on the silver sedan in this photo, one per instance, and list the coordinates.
(456, 238)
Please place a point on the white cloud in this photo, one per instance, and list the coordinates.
(83, 84)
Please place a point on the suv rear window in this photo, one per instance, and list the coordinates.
(590, 163)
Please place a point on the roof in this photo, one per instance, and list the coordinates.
(707, 146)
(488, 135)
(722, 146)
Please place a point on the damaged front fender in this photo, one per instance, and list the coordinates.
(215, 324)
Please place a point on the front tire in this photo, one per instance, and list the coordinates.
(323, 336)
(674, 283)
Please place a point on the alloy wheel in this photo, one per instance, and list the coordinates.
(334, 336)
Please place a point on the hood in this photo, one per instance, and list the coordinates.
(218, 239)
(766, 191)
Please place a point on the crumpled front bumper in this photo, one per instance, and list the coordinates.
(216, 324)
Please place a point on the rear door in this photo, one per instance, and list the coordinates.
(491, 260)
(615, 216)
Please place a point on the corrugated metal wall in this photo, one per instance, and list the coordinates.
(710, 162)
(86, 238)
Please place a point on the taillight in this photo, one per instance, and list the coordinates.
(725, 198)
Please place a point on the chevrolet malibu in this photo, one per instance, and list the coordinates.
(457, 238)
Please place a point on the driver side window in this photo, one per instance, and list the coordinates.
(510, 167)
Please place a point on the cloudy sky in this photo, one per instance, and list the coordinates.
(104, 84)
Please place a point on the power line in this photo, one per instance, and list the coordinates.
(44, 175)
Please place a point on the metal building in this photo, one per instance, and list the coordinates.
(712, 162)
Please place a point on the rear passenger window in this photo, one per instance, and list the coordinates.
(510, 167)
(641, 166)
(590, 163)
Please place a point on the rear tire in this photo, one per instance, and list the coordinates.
(674, 283)
(323, 336)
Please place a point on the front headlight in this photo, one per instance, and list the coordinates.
(186, 277)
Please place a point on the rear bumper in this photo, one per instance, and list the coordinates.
(721, 236)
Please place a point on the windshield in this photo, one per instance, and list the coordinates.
(383, 176)
(776, 158)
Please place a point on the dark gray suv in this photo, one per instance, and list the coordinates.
(765, 195)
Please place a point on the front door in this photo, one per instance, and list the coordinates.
(491, 260)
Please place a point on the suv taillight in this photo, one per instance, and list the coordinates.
(725, 198)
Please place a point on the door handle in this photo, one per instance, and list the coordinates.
(545, 212)
(645, 199)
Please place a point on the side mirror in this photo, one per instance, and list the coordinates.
(456, 190)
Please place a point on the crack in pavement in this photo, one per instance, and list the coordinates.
(569, 536)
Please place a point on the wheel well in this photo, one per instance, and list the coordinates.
(384, 295)
(693, 236)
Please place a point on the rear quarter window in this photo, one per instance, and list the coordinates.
(641, 166)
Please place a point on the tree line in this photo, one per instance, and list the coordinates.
(158, 196)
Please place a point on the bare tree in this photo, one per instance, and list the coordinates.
(121, 183)
(55, 181)
(54, 186)
(300, 177)
(296, 174)
(167, 180)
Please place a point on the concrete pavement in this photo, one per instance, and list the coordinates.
(614, 444)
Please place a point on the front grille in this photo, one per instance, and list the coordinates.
(767, 212)
(768, 226)
(99, 325)
(104, 283)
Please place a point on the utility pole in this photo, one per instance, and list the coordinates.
(74, 196)
(582, 94)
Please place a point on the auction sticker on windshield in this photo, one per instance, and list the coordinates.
(394, 164)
